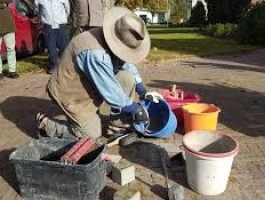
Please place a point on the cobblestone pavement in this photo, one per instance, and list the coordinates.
(234, 83)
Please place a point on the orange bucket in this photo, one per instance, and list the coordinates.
(200, 116)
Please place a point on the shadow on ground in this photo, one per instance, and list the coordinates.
(242, 110)
(147, 155)
(7, 170)
(107, 193)
(226, 64)
(22, 111)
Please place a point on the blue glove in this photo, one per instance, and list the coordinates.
(141, 90)
(137, 111)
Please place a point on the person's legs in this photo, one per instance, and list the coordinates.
(92, 128)
(69, 128)
(128, 83)
(54, 128)
(50, 40)
(10, 43)
(123, 120)
(61, 38)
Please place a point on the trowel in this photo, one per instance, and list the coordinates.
(123, 139)
(176, 191)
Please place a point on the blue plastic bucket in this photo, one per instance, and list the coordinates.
(162, 121)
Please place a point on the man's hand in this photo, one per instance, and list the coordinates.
(35, 20)
(136, 111)
(153, 96)
(140, 114)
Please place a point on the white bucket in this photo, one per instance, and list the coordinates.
(209, 157)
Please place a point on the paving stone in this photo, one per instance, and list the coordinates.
(171, 147)
(239, 91)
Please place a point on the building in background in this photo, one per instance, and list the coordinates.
(152, 17)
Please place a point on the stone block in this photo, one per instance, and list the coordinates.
(123, 172)
(126, 193)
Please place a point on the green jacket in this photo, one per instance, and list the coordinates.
(7, 24)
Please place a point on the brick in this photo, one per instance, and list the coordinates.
(123, 172)
(126, 193)
(171, 147)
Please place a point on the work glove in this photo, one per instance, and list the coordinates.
(153, 96)
(136, 111)
(140, 114)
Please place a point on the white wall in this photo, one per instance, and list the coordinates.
(156, 19)
(143, 12)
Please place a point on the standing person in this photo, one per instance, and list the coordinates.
(99, 66)
(88, 14)
(7, 34)
(54, 15)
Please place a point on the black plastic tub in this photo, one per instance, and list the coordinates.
(40, 175)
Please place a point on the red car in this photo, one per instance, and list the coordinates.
(29, 33)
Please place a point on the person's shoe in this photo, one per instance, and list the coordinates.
(41, 119)
(122, 120)
(1, 76)
(13, 75)
(50, 71)
(112, 130)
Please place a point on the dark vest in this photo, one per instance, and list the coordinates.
(68, 84)
(7, 24)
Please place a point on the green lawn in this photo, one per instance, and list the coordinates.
(167, 44)
(32, 63)
(176, 42)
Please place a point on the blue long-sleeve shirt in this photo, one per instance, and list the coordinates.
(53, 12)
(99, 69)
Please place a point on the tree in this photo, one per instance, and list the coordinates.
(225, 11)
(151, 4)
(178, 9)
(252, 26)
(130, 4)
(198, 15)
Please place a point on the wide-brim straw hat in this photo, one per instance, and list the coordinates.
(126, 35)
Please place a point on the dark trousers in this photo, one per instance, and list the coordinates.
(55, 38)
